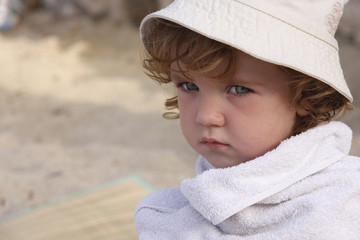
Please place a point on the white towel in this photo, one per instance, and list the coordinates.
(306, 188)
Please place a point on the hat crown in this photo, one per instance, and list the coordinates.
(319, 18)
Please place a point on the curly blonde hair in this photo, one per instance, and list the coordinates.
(169, 42)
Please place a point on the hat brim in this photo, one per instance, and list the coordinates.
(258, 34)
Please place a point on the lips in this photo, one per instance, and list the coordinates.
(213, 143)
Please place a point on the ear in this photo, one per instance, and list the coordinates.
(301, 110)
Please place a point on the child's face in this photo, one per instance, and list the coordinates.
(231, 123)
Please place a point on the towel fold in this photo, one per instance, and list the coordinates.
(219, 193)
(306, 188)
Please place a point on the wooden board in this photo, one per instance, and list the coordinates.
(105, 213)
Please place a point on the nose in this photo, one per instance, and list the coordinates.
(210, 112)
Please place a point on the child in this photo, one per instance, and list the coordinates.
(258, 85)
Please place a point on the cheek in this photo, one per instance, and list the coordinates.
(188, 128)
(183, 104)
(186, 104)
(281, 121)
(271, 117)
(187, 114)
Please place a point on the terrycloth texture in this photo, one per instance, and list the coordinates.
(306, 188)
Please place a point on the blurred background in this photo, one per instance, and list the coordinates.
(76, 109)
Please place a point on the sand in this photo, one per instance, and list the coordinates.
(77, 111)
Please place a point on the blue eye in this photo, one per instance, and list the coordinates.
(188, 86)
(239, 90)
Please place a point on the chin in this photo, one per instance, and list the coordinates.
(224, 163)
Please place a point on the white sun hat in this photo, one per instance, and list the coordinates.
(298, 34)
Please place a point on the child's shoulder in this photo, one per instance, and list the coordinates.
(166, 200)
(350, 164)
(344, 173)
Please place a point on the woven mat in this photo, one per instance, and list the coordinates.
(105, 213)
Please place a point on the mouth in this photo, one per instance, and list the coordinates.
(213, 143)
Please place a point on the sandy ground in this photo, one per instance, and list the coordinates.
(77, 111)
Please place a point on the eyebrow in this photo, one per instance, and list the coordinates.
(177, 78)
(237, 81)
(240, 82)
